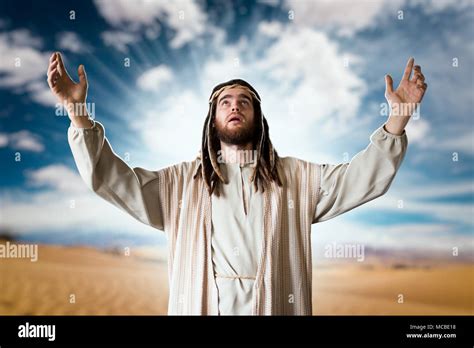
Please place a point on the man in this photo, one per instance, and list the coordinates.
(238, 227)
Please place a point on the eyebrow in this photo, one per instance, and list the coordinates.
(240, 95)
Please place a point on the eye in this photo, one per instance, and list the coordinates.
(225, 102)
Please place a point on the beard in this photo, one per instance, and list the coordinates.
(236, 135)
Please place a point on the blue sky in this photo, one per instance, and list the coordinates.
(319, 67)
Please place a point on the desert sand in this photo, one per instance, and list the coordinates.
(88, 281)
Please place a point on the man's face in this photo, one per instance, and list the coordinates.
(235, 116)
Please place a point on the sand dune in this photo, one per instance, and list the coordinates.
(102, 283)
(110, 284)
(353, 289)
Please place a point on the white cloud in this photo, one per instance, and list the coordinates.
(460, 138)
(57, 177)
(184, 17)
(23, 38)
(23, 66)
(22, 140)
(418, 130)
(435, 6)
(155, 79)
(313, 79)
(123, 12)
(40, 93)
(3, 140)
(412, 202)
(72, 42)
(119, 39)
(20, 64)
(437, 190)
(187, 19)
(344, 16)
(307, 89)
(226, 63)
(464, 142)
(65, 203)
(269, 2)
(415, 236)
(422, 236)
(301, 92)
(172, 128)
(271, 29)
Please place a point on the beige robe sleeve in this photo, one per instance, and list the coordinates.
(141, 193)
(367, 176)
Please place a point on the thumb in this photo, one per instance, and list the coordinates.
(388, 84)
(82, 74)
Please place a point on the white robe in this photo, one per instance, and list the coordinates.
(175, 201)
(236, 239)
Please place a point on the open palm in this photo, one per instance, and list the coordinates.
(61, 84)
(409, 92)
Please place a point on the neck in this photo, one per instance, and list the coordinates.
(230, 153)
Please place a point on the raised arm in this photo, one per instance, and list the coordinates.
(367, 176)
(141, 193)
(370, 173)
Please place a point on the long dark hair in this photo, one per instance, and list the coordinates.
(267, 160)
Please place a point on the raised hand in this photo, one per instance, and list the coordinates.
(406, 98)
(409, 91)
(63, 87)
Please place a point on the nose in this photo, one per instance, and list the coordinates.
(235, 106)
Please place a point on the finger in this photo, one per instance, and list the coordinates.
(417, 68)
(53, 57)
(50, 82)
(388, 84)
(408, 69)
(52, 78)
(82, 74)
(62, 69)
(422, 87)
(51, 67)
(418, 77)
